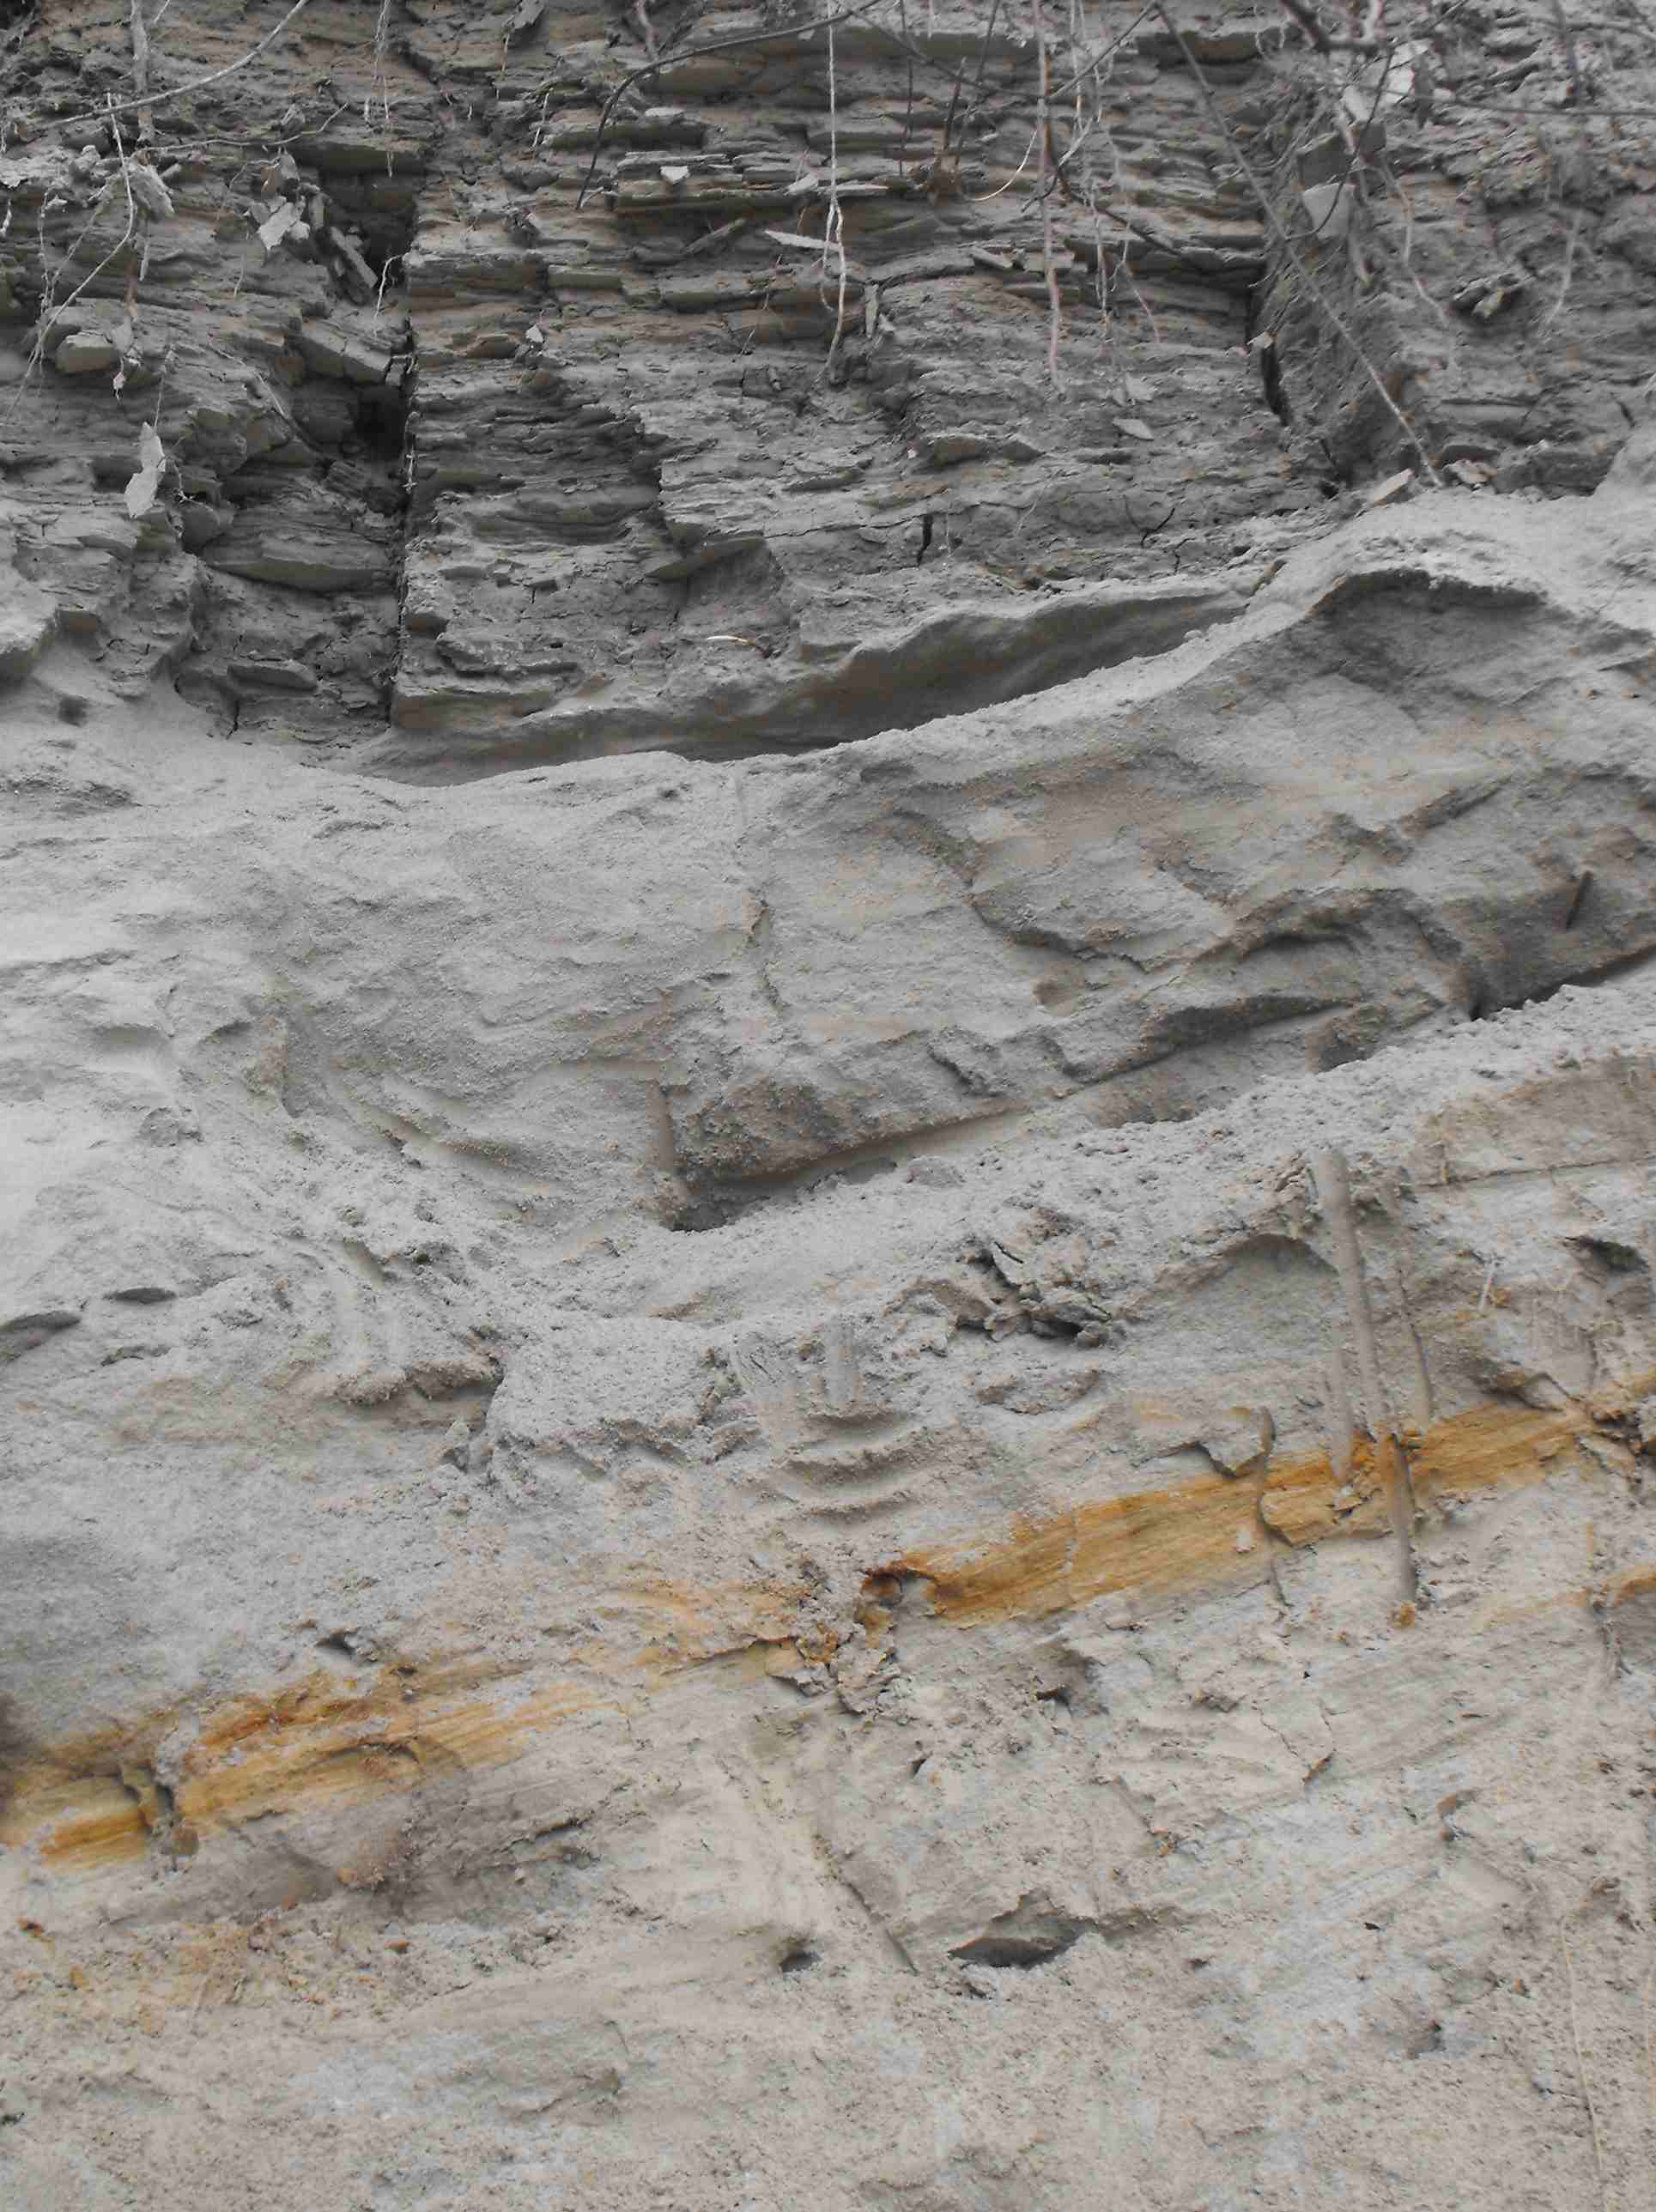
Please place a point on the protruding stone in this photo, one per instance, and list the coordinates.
(28, 618)
(84, 352)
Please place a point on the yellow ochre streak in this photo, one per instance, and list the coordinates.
(317, 1742)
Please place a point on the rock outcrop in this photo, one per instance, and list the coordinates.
(512, 414)
(903, 1455)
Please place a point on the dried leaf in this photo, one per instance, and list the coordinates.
(142, 486)
(1134, 428)
(798, 238)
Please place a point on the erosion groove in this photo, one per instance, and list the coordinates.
(828, 910)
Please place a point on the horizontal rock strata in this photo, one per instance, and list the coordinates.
(536, 414)
(826, 1111)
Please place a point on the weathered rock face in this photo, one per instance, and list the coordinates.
(508, 423)
(911, 1446)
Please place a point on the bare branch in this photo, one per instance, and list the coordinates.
(191, 84)
(1275, 224)
(140, 72)
(1567, 40)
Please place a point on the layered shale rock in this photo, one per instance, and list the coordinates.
(905, 1455)
(529, 412)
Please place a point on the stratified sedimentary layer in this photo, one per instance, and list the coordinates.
(826, 1115)
(972, 1412)
(514, 412)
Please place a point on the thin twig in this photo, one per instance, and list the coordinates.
(380, 79)
(1069, 83)
(1274, 223)
(191, 84)
(1584, 131)
(942, 153)
(1577, 221)
(982, 199)
(904, 45)
(976, 101)
(1567, 40)
(833, 230)
(1306, 19)
(197, 140)
(1543, 114)
(695, 53)
(140, 71)
(1582, 2068)
(908, 103)
(126, 175)
(52, 313)
(1043, 129)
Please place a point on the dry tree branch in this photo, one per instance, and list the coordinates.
(982, 199)
(1306, 19)
(1275, 224)
(381, 81)
(1069, 83)
(1354, 137)
(1577, 224)
(191, 84)
(245, 140)
(140, 71)
(908, 98)
(695, 53)
(1545, 114)
(1406, 201)
(1582, 2068)
(1325, 43)
(942, 153)
(833, 228)
(127, 173)
(1044, 187)
(1567, 39)
(1368, 40)
(1576, 95)
(976, 101)
(808, 30)
(52, 312)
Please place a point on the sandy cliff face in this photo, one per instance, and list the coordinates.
(904, 1456)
